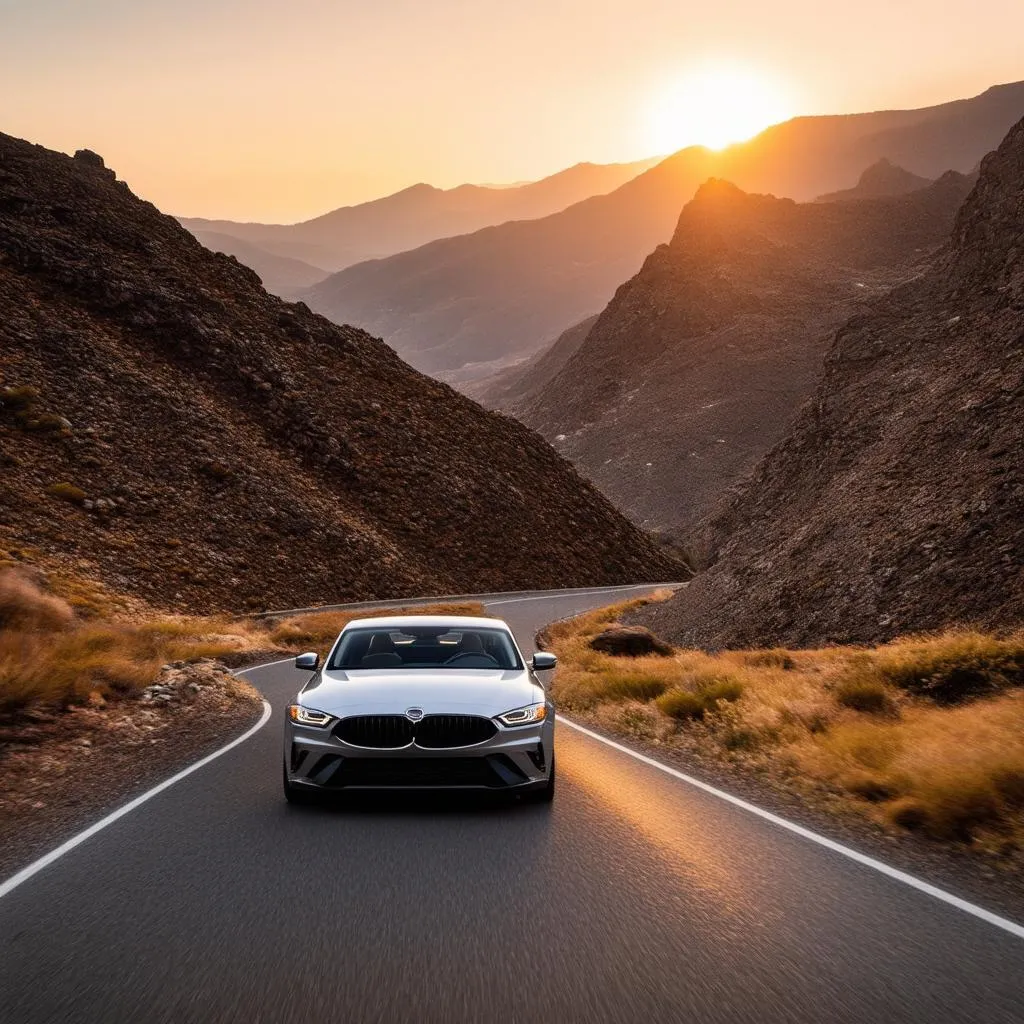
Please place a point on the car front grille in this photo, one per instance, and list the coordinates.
(434, 732)
(379, 731)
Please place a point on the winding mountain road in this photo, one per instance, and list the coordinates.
(635, 897)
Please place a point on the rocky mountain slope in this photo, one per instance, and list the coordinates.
(882, 178)
(499, 294)
(168, 427)
(698, 364)
(896, 502)
(415, 216)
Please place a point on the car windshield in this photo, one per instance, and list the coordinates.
(425, 647)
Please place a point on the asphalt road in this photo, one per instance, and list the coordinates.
(636, 897)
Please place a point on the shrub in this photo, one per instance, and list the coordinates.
(681, 705)
(67, 492)
(630, 683)
(724, 688)
(24, 606)
(954, 666)
(864, 694)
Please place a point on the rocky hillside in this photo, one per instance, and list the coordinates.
(171, 429)
(698, 364)
(882, 178)
(499, 294)
(896, 502)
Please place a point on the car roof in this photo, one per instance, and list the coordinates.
(450, 621)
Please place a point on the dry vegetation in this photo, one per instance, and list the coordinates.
(54, 654)
(924, 733)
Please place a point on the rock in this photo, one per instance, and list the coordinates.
(87, 156)
(630, 642)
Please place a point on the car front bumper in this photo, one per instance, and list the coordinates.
(513, 760)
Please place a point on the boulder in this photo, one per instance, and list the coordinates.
(630, 642)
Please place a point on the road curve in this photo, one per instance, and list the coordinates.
(634, 898)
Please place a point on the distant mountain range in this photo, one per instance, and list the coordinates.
(169, 428)
(893, 504)
(499, 294)
(698, 363)
(405, 220)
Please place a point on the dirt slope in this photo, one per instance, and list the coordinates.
(169, 427)
(896, 502)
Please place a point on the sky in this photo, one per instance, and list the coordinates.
(278, 110)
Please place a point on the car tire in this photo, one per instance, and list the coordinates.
(547, 794)
(296, 795)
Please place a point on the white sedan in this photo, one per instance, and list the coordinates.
(437, 702)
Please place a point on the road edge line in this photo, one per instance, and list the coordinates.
(47, 859)
(805, 833)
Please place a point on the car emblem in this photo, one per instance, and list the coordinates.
(414, 714)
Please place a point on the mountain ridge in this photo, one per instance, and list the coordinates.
(418, 214)
(498, 293)
(697, 364)
(169, 428)
(893, 503)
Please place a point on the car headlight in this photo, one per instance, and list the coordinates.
(307, 716)
(525, 716)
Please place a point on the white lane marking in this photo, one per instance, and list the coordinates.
(805, 833)
(46, 860)
(266, 664)
(559, 595)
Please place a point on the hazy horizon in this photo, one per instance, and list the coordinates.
(269, 111)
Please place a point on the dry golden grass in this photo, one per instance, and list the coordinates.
(52, 654)
(924, 733)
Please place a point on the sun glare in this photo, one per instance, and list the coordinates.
(715, 106)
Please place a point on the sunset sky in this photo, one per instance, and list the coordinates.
(283, 109)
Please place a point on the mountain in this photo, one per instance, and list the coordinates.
(170, 428)
(698, 363)
(420, 214)
(882, 178)
(893, 505)
(508, 389)
(281, 275)
(495, 296)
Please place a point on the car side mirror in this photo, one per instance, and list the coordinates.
(308, 662)
(543, 661)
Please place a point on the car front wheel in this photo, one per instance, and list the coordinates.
(296, 794)
(546, 794)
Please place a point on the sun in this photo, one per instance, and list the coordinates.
(715, 106)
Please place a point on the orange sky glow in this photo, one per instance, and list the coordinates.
(274, 110)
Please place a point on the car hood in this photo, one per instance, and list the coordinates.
(487, 692)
